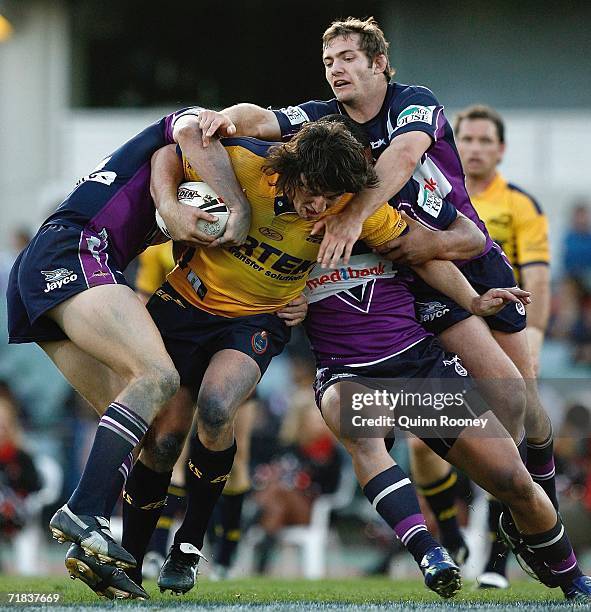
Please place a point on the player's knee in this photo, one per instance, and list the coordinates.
(166, 449)
(364, 447)
(514, 486)
(161, 449)
(509, 404)
(169, 382)
(161, 382)
(214, 411)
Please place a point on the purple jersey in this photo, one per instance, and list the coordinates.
(406, 108)
(363, 313)
(113, 202)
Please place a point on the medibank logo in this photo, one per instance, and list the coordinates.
(345, 274)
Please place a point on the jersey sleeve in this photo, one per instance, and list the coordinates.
(416, 110)
(171, 119)
(384, 225)
(530, 230)
(424, 205)
(292, 118)
(154, 264)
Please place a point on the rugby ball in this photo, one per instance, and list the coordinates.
(197, 193)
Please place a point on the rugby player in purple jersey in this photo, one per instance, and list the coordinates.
(68, 294)
(411, 139)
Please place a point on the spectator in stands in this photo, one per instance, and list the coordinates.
(573, 452)
(577, 243)
(307, 467)
(18, 476)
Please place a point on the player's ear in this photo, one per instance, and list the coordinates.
(379, 63)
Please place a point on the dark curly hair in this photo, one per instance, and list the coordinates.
(325, 158)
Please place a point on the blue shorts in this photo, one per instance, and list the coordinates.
(60, 262)
(192, 336)
(436, 312)
(423, 361)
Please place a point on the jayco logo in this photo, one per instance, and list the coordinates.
(429, 311)
(57, 278)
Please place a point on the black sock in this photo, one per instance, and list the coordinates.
(392, 494)
(176, 503)
(265, 549)
(441, 497)
(540, 464)
(117, 485)
(143, 501)
(207, 474)
(554, 548)
(119, 432)
(499, 553)
(228, 534)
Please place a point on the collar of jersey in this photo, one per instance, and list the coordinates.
(283, 206)
(497, 184)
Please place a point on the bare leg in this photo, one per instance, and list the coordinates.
(426, 466)
(95, 382)
(110, 324)
(499, 380)
(495, 465)
(537, 422)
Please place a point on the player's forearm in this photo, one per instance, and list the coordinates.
(394, 168)
(445, 277)
(213, 165)
(255, 121)
(461, 240)
(536, 279)
(166, 175)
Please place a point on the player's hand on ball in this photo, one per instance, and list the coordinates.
(496, 299)
(236, 229)
(294, 312)
(213, 124)
(181, 223)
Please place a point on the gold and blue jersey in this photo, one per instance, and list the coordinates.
(271, 268)
(154, 264)
(515, 221)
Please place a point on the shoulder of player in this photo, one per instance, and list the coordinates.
(401, 92)
(254, 145)
(520, 196)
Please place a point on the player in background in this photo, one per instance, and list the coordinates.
(517, 223)
(154, 265)
(411, 138)
(513, 218)
(67, 293)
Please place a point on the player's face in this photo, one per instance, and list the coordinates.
(310, 206)
(348, 71)
(479, 147)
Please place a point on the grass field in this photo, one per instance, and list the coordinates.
(295, 595)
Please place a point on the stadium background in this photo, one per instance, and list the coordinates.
(78, 77)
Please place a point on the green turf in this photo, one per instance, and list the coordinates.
(266, 591)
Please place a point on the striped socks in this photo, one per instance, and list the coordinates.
(394, 497)
(119, 432)
(540, 464)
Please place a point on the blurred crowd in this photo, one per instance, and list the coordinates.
(294, 458)
(571, 298)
